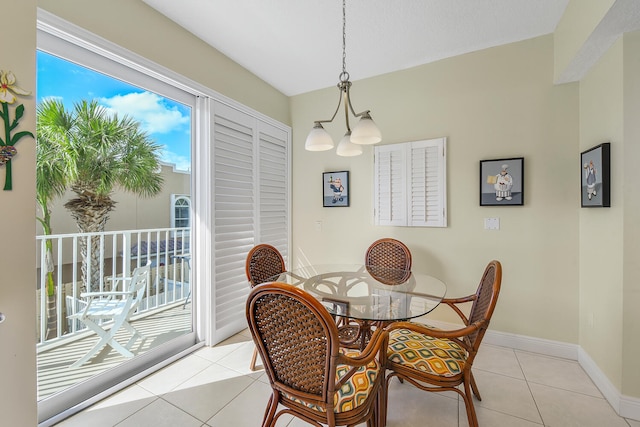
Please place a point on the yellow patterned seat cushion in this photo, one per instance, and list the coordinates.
(426, 354)
(355, 391)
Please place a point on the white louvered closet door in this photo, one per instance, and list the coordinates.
(273, 173)
(234, 200)
(251, 206)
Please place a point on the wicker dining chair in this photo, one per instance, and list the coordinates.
(263, 262)
(311, 377)
(389, 261)
(441, 360)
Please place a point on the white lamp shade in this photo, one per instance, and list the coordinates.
(318, 139)
(366, 132)
(346, 148)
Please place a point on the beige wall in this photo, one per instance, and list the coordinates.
(17, 256)
(139, 28)
(497, 103)
(579, 20)
(601, 230)
(631, 197)
(609, 273)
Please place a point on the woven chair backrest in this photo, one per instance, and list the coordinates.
(389, 261)
(263, 262)
(486, 299)
(298, 336)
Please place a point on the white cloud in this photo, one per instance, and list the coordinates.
(53, 98)
(149, 109)
(182, 163)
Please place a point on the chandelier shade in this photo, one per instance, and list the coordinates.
(318, 139)
(347, 148)
(364, 133)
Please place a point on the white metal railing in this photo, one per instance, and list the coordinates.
(119, 252)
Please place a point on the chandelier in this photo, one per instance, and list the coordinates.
(365, 132)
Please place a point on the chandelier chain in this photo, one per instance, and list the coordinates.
(344, 37)
(365, 132)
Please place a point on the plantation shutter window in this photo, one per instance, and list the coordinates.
(390, 181)
(410, 184)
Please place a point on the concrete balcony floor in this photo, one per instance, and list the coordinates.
(54, 365)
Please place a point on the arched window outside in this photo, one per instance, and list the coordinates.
(180, 208)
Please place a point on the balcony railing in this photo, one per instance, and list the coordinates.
(89, 261)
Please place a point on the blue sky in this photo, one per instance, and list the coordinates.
(167, 122)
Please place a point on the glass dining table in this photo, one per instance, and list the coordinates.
(369, 295)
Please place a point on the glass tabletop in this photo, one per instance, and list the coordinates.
(368, 292)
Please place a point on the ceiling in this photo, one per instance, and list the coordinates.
(296, 45)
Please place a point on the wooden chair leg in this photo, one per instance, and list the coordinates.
(468, 402)
(381, 410)
(254, 357)
(383, 401)
(270, 411)
(474, 387)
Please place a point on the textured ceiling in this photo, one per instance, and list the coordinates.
(296, 45)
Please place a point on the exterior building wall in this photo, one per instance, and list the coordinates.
(131, 212)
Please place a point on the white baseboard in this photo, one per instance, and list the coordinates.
(534, 345)
(608, 390)
(521, 342)
(630, 408)
(625, 406)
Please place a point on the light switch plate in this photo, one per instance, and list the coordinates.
(492, 223)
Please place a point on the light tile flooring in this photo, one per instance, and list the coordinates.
(213, 387)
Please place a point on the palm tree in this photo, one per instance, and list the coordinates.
(50, 183)
(101, 152)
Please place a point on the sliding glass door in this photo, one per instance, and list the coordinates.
(225, 186)
(114, 187)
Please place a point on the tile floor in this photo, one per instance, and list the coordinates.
(213, 387)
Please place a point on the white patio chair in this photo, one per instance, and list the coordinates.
(118, 306)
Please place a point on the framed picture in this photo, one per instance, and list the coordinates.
(335, 189)
(595, 176)
(502, 182)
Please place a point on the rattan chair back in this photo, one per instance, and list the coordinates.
(309, 375)
(485, 302)
(263, 262)
(297, 339)
(389, 261)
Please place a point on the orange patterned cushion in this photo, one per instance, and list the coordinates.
(355, 391)
(426, 354)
